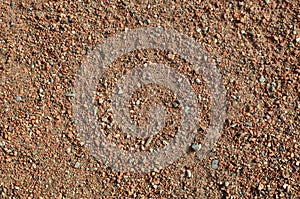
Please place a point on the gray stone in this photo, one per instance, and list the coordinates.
(248, 124)
(70, 95)
(214, 164)
(262, 79)
(19, 99)
(195, 147)
(77, 165)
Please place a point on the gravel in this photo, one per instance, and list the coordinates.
(256, 48)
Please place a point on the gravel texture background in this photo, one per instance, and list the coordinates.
(256, 46)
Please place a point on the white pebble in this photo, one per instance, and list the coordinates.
(262, 79)
(188, 173)
(68, 150)
(77, 165)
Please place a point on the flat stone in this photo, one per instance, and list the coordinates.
(70, 95)
(248, 124)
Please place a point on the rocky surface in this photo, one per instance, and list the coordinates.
(255, 45)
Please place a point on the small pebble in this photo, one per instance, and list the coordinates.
(125, 3)
(77, 164)
(267, 1)
(100, 101)
(260, 187)
(188, 173)
(171, 56)
(19, 99)
(248, 124)
(120, 92)
(70, 95)
(269, 144)
(2, 143)
(262, 79)
(214, 164)
(68, 150)
(195, 147)
(298, 39)
(198, 81)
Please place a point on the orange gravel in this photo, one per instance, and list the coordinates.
(255, 45)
